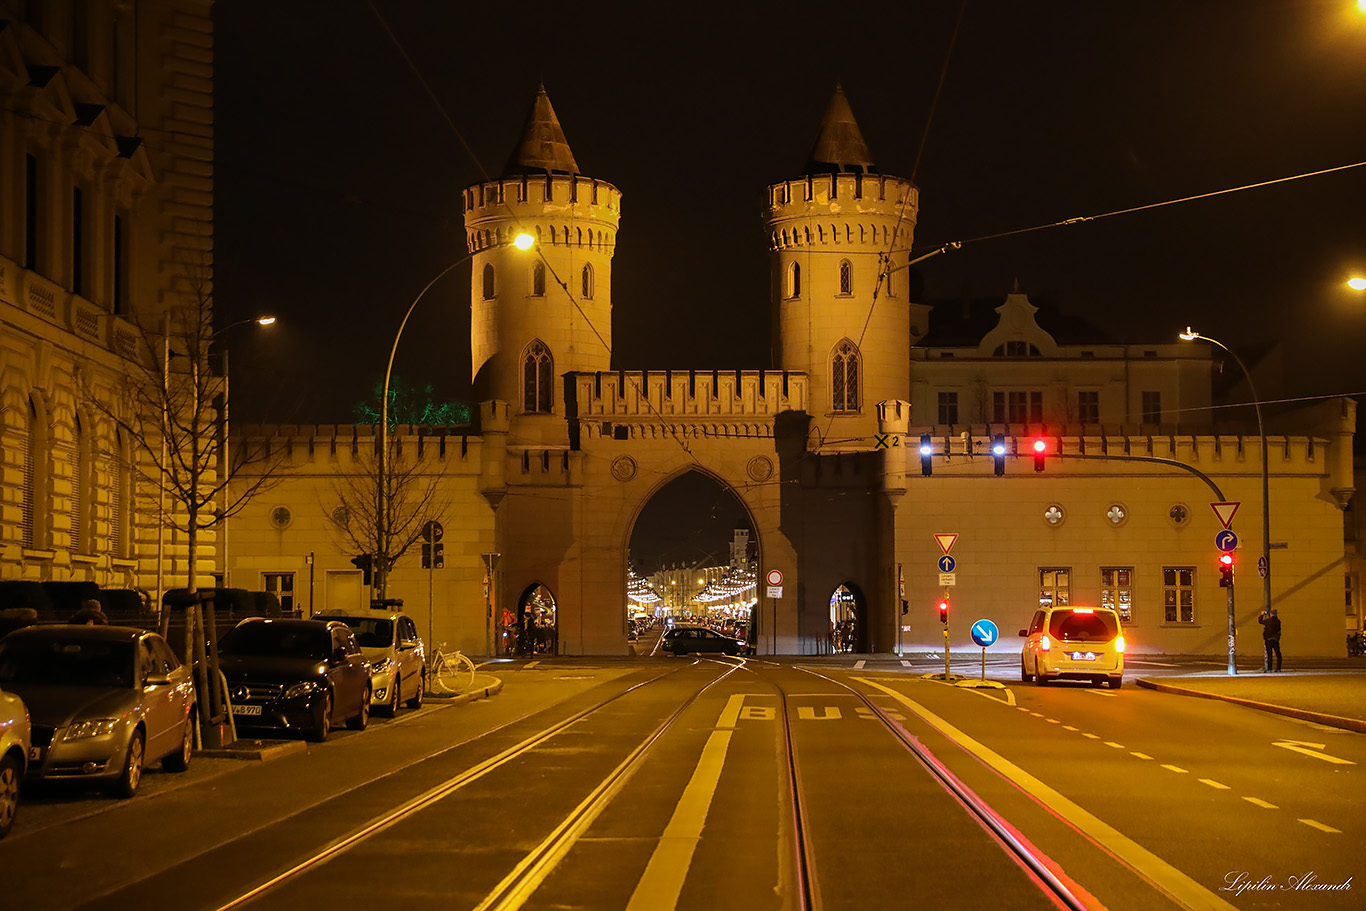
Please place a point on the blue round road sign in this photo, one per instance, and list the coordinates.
(947, 563)
(984, 633)
(1226, 541)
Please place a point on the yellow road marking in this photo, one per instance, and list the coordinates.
(1139, 755)
(1162, 874)
(1092, 736)
(530, 664)
(1052, 721)
(1299, 747)
(1213, 784)
(1111, 743)
(1321, 826)
(731, 713)
(1068, 727)
(1176, 768)
(1261, 803)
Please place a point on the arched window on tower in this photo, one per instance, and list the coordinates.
(794, 281)
(844, 377)
(846, 277)
(537, 371)
(488, 281)
(587, 283)
(538, 279)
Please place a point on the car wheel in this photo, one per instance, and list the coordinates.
(416, 701)
(391, 709)
(1116, 682)
(322, 724)
(9, 792)
(1024, 676)
(128, 782)
(358, 721)
(179, 761)
(1039, 679)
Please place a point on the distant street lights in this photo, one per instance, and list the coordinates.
(1264, 566)
(380, 565)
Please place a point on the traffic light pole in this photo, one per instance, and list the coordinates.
(946, 640)
(1232, 633)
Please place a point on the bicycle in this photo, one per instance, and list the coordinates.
(451, 673)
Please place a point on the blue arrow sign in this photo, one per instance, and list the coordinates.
(947, 563)
(984, 633)
(1226, 541)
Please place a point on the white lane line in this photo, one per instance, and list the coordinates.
(1185, 890)
(1320, 826)
(1261, 803)
(858, 665)
(905, 663)
(1176, 768)
(1100, 693)
(1117, 746)
(1139, 755)
(1213, 784)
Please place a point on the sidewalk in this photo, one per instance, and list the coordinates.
(1334, 698)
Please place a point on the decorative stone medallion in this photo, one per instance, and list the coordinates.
(760, 468)
(623, 468)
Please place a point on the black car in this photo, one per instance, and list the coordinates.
(682, 640)
(295, 675)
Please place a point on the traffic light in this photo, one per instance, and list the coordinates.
(1040, 449)
(363, 563)
(998, 453)
(1225, 570)
(926, 452)
(944, 611)
(438, 559)
(426, 555)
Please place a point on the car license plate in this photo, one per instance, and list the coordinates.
(246, 710)
(35, 754)
(1083, 656)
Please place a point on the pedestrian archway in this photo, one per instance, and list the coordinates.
(537, 626)
(847, 619)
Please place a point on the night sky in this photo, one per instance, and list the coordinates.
(339, 176)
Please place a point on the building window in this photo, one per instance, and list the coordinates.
(537, 368)
(1116, 590)
(844, 377)
(948, 408)
(35, 482)
(1152, 408)
(538, 279)
(1017, 349)
(1178, 594)
(1017, 407)
(1055, 586)
(1088, 406)
(587, 283)
(794, 281)
(488, 281)
(82, 489)
(120, 496)
(846, 278)
(282, 586)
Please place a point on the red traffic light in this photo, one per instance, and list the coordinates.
(944, 611)
(1225, 570)
(1226, 559)
(1040, 447)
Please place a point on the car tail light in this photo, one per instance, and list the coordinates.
(1119, 644)
(1083, 610)
(1044, 644)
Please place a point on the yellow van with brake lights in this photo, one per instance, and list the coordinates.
(1073, 643)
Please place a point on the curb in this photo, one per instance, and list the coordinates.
(1335, 721)
(482, 692)
(255, 749)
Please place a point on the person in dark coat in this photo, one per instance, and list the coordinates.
(1271, 638)
(90, 614)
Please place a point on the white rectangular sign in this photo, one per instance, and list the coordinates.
(948, 579)
(775, 591)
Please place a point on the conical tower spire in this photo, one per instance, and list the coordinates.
(840, 146)
(542, 147)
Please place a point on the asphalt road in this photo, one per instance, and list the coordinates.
(663, 783)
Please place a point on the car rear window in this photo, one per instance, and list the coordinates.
(281, 639)
(67, 662)
(1083, 626)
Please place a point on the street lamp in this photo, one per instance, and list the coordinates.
(380, 566)
(1265, 563)
(1356, 282)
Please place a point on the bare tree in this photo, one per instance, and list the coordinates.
(411, 496)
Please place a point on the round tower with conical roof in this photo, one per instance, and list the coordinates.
(540, 313)
(840, 238)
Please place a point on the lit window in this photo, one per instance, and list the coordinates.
(1055, 586)
(537, 368)
(281, 585)
(1178, 594)
(844, 377)
(1116, 590)
(794, 281)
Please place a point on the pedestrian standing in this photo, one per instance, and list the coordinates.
(1271, 639)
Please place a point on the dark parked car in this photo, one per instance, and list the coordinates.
(295, 675)
(682, 640)
(105, 701)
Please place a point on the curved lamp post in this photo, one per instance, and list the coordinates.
(1191, 335)
(380, 564)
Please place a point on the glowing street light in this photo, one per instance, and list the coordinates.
(1356, 282)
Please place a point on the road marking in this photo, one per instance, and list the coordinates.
(1176, 768)
(1299, 746)
(865, 712)
(1320, 826)
(808, 713)
(1153, 663)
(905, 663)
(1068, 727)
(1100, 693)
(1037, 714)
(1139, 755)
(1212, 783)
(1052, 721)
(1092, 736)
(1261, 803)
(1111, 743)
(731, 713)
(1156, 870)
(1023, 709)
(530, 664)
(858, 665)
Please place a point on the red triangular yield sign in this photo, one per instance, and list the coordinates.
(1225, 512)
(946, 542)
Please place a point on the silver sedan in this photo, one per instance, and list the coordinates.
(105, 701)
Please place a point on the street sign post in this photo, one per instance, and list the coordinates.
(985, 633)
(1226, 541)
(947, 563)
(946, 541)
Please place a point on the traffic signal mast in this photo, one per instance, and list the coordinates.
(1040, 449)
(1226, 570)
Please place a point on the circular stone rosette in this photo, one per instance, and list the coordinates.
(759, 468)
(623, 468)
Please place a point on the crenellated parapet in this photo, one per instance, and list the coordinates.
(561, 210)
(655, 396)
(327, 446)
(842, 210)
